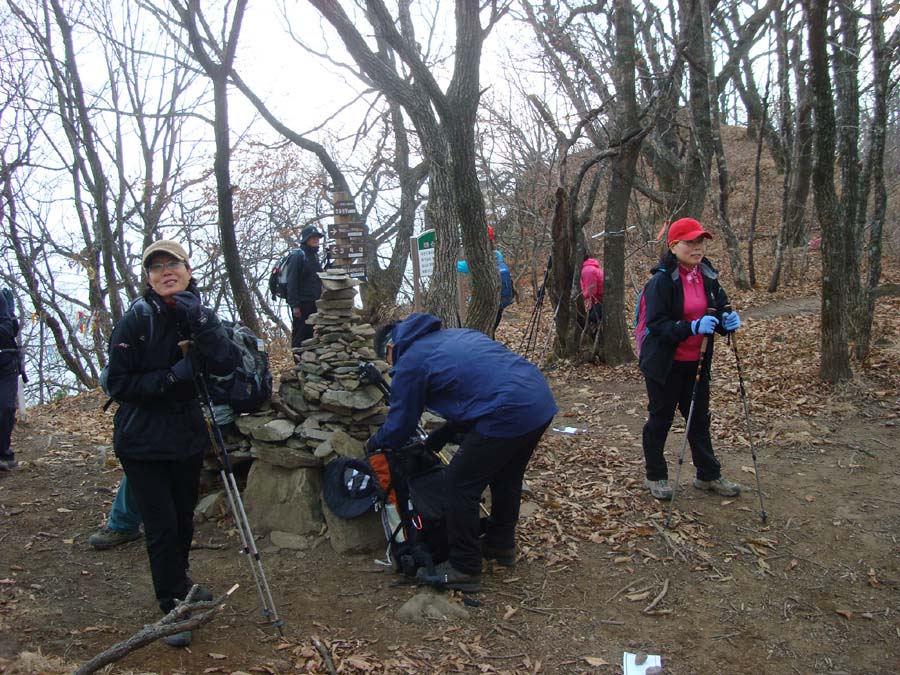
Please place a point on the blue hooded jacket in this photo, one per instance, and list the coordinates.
(465, 377)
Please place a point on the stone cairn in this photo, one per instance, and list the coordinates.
(321, 411)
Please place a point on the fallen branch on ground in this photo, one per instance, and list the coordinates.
(180, 619)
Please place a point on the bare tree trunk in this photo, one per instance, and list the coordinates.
(845, 62)
(751, 268)
(218, 72)
(835, 360)
(616, 345)
(881, 66)
(733, 244)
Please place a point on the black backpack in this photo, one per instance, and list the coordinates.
(249, 387)
(279, 276)
(412, 503)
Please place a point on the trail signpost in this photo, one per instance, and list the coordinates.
(422, 252)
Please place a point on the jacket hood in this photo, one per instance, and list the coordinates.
(498, 255)
(590, 262)
(411, 329)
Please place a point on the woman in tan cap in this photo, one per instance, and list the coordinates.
(159, 433)
(683, 286)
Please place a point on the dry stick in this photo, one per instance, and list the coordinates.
(170, 624)
(623, 589)
(326, 656)
(662, 594)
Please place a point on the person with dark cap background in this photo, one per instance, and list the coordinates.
(163, 342)
(303, 284)
(500, 404)
(683, 286)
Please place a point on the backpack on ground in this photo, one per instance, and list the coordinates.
(412, 504)
(249, 386)
(507, 290)
(279, 276)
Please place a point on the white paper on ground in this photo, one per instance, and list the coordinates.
(629, 667)
(566, 430)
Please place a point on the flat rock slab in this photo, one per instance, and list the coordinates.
(429, 605)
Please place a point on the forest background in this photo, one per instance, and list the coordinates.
(230, 126)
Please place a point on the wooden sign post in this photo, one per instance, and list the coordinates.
(348, 237)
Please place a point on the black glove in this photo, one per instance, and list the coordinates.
(183, 370)
(438, 438)
(188, 305)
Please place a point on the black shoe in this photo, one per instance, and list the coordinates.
(203, 595)
(182, 639)
(448, 577)
(502, 556)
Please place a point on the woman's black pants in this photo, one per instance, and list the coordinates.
(166, 494)
(663, 400)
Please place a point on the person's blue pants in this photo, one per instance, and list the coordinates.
(124, 516)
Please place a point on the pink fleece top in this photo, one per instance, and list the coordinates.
(591, 283)
(694, 308)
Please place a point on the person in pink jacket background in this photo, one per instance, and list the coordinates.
(592, 288)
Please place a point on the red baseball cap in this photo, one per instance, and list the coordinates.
(686, 229)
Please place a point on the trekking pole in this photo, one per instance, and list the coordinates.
(687, 425)
(528, 339)
(248, 543)
(733, 343)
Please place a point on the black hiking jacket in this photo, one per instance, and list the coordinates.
(664, 308)
(159, 417)
(303, 283)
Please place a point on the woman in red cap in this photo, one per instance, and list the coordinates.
(683, 286)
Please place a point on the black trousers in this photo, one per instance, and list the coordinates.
(9, 388)
(300, 330)
(166, 494)
(663, 399)
(481, 462)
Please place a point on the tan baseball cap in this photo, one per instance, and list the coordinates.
(173, 248)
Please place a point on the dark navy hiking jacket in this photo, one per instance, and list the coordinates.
(465, 377)
(160, 418)
(664, 309)
(9, 328)
(303, 283)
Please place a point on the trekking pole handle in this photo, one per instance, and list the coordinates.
(704, 344)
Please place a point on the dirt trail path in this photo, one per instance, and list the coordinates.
(815, 590)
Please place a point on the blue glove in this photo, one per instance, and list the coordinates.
(183, 370)
(731, 321)
(188, 305)
(704, 326)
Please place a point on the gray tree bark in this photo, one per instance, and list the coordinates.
(835, 361)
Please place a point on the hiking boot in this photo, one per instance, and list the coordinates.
(8, 464)
(108, 538)
(448, 577)
(203, 595)
(502, 556)
(721, 486)
(182, 639)
(659, 488)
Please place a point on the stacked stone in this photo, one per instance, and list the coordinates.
(327, 376)
(324, 412)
